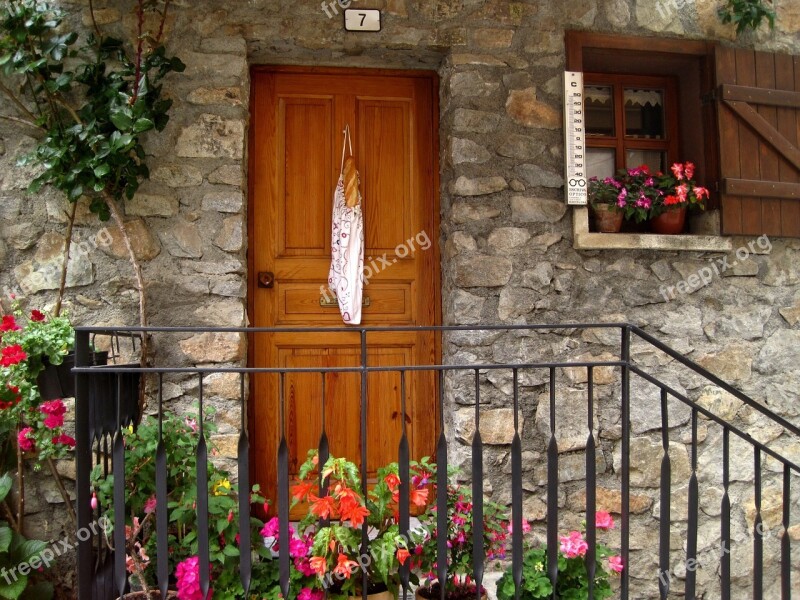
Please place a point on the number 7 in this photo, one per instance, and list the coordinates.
(363, 18)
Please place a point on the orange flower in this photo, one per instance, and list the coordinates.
(351, 510)
(301, 490)
(319, 564)
(345, 567)
(402, 555)
(419, 497)
(392, 481)
(323, 507)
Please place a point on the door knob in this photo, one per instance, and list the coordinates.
(266, 279)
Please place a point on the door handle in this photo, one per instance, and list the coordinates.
(266, 279)
(333, 301)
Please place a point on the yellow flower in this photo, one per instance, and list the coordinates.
(221, 488)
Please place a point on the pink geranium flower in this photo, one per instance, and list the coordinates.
(615, 564)
(150, 504)
(573, 545)
(187, 576)
(603, 520)
(25, 439)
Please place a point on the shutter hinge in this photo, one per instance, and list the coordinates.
(709, 98)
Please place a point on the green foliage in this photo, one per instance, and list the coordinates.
(21, 408)
(15, 551)
(747, 14)
(181, 437)
(95, 148)
(459, 533)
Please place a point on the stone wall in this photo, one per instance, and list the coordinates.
(507, 254)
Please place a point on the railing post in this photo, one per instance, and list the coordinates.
(364, 470)
(83, 466)
(625, 356)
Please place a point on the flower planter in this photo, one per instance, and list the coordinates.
(606, 218)
(427, 593)
(142, 595)
(670, 222)
(57, 381)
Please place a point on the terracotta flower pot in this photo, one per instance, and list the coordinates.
(606, 218)
(670, 222)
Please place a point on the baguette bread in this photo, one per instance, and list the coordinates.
(351, 192)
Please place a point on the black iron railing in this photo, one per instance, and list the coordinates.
(770, 566)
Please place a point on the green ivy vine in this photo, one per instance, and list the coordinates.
(747, 14)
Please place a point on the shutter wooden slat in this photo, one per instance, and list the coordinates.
(769, 160)
(725, 60)
(759, 130)
(788, 124)
(748, 145)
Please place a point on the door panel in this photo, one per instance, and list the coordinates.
(297, 123)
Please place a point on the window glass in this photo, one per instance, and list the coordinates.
(654, 159)
(600, 162)
(644, 113)
(599, 107)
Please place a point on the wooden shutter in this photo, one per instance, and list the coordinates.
(758, 97)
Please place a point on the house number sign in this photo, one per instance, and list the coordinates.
(575, 139)
(362, 20)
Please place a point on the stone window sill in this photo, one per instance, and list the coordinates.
(583, 239)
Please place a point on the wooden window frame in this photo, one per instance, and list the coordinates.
(620, 142)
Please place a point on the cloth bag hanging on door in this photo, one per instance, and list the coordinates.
(346, 275)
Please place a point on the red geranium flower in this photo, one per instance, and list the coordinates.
(37, 315)
(65, 440)
(9, 324)
(12, 355)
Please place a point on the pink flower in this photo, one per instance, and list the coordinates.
(191, 424)
(53, 407)
(677, 170)
(150, 505)
(526, 527)
(25, 439)
(297, 548)
(53, 421)
(93, 502)
(700, 192)
(573, 545)
(603, 520)
(682, 191)
(187, 576)
(9, 323)
(309, 594)
(615, 564)
(270, 529)
(689, 170)
(12, 355)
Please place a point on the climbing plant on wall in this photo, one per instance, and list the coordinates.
(90, 101)
(747, 14)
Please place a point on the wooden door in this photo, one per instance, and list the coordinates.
(298, 118)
